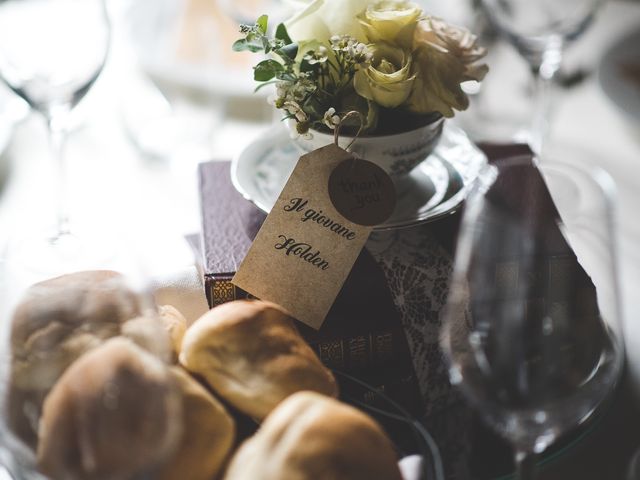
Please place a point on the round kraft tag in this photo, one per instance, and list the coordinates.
(362, 192)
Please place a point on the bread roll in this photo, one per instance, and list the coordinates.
(174, 323)
(149, 333)
(114, 414)
(250, 353)
(56, 322)
(310, 437)
(208, 434)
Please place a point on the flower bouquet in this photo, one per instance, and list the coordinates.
(398, 67)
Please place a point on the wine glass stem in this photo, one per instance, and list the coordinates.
(525, 465)
(543, 75)
(57, 137)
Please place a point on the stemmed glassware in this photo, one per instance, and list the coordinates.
(51, 53)
(532, 329)
(540, 29)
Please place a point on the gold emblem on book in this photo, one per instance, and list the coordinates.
(222, 292)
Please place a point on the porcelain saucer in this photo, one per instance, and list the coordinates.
(435, 188)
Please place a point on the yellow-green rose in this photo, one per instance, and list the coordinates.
(444, 56)
(321, 19)
(390, 21)
(388, 80)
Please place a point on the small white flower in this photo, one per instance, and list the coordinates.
(361, 55)
(282, 88)
(320, 55)
(330, 119)
(301, 89)
(342, 43)
(297, 129)
(293, 108)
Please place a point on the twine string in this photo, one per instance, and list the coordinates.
(336, 132)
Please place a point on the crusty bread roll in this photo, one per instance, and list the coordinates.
(208, 434)
(174, 323)
(310, 437)
(56, 322)
(250, 353)
(114, 414)
(148, 332)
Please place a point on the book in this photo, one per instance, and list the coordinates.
(229, 224)
(362, 335)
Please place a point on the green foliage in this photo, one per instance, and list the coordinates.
(282, 34)
(308, 85)
(267, 70)
(262, 23)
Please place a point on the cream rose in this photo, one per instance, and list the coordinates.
(444, 56)
(390, 21)
(388, 80)
(321, 19)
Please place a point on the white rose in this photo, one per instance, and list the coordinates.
(321, 19)
(388, 80)
(390, 21)
(444, 56)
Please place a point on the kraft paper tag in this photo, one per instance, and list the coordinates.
(305, 249)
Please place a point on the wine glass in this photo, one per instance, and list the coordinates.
(532, 325)
(539, 30)
(51, 53)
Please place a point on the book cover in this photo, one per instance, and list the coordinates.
(229, 223)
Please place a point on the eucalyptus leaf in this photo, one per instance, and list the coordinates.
(282, 34)
(262, 75)
(240, 45)
(266, 70)
(290, 51)
(253, 47)
(262, 23)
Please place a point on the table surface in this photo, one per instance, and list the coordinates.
(153, 202)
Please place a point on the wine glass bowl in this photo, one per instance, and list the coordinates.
(540, 30)
(531, 25)
(51, 51)
(532, 325)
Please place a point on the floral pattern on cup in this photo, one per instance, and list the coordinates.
(396, 154)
